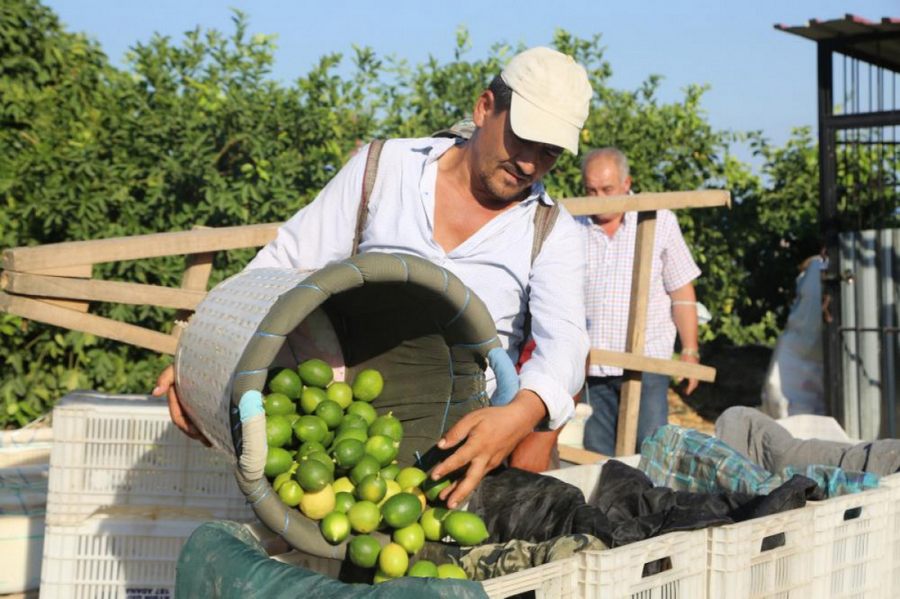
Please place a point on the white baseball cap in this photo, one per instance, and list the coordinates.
(551, 97)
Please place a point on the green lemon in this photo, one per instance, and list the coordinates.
(411, 477)
(287, 382)
(318, 504)
(465, 528)
(348, 453)
(451, 571)
(393, 560)
(284, 477)
(390, 471)
(367, 465)
(330, 412)
(343, 501)
(310, 447)
(433, 488)
(387, 425)
(364, 550)
(382, 448)
(335, 527)
(401, 510)
(292, 418)
(290, 493)
(323, 458)
(310, 428)
(417, 492)
(371, 488)
(432, 523)
(278, 404)
(278, 431)
(315, 373)
(411, 538)
(340, 393)
(353, 421)
(367, 385)
(353, 433)
(278, 460)
(423, 569)
(310, 399)
(313, 475)
(364, 516)
(363, 410)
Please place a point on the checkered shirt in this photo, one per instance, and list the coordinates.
(608, 285)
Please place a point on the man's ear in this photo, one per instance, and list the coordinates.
(483, 106)
(627, 184)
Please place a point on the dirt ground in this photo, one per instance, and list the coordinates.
(684, 415)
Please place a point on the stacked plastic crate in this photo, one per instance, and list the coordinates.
(126, 490)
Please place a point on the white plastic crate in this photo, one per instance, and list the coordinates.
(127, 553)
(851, 545)
(124, 450)
(892, 485)
(614, 573)
(762, 558)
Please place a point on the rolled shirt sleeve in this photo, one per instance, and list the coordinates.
(556, 369)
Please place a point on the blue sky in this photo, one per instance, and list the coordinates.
(759, 78)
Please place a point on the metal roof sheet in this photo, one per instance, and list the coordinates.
(875, 42)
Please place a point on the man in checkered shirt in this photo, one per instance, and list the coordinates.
(672, 303)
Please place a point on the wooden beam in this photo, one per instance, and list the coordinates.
(643, 202)
(87, 323)
(23, 283)
(81, 271)
(630, 395)
(55, 255)
(676, 368)
(574, 455)
(195, 278)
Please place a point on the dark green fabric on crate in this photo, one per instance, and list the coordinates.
(222, 560)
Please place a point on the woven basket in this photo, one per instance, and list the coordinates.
(429, 335)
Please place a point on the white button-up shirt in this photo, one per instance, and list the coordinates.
(608, 285)
(495, 262)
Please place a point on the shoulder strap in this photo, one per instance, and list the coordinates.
(368, 183)
(544, 219)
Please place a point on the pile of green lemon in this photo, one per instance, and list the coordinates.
(333, 457)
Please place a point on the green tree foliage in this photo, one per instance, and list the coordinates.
(195, 132)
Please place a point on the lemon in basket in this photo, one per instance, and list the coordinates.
(319, 504)
(335, 527)
(364, 550)
(363, 410)
(364, 516)
(411, 538)
(451, 571)
(466, 528)
(387, 425)
(393, 560)
(401, 510)
(310, 399)
(313, 475)
(286, 382)
(423, 569)
(278, 431)
(315, 373)
(367, 385)
(278, 404)
(341, 393)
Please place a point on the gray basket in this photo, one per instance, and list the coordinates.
(429, 335)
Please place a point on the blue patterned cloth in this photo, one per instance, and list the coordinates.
(687, 460)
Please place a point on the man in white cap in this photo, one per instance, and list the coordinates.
(469, 206)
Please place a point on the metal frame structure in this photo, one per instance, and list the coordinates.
(858, 68)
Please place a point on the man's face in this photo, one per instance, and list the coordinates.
(603, 178)
(504, 165)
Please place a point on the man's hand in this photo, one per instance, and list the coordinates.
(490, 435)
(533, 453)
(690, 384)
(165, 384)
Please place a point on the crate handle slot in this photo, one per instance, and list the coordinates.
(657, 566)
(772, 542)
(853, 513)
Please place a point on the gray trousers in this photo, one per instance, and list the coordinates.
(765, 442)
